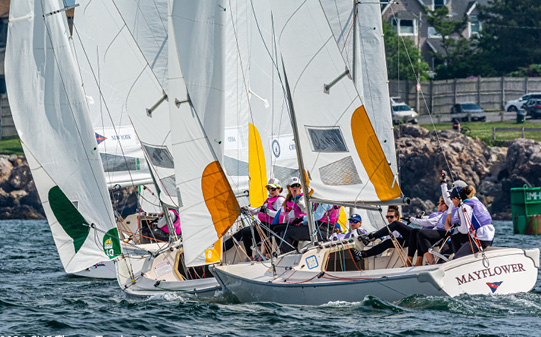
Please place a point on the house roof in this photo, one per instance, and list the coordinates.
(435, 45)
(405, 15)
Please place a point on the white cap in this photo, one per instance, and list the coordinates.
(294, 180)
(274, 183)
(459, 183)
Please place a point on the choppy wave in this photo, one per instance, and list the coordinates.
(38, 298)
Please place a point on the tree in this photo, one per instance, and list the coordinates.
(456, 60)
(511, 34)
(398, 52)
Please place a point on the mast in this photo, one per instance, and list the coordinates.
(311, 227)
(354, 66)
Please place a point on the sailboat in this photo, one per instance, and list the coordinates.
(345, 164)
(52, 119)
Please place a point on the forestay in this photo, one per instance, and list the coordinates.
(51, 115)
(341, 151)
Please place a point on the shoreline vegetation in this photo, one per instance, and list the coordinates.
(493, 167)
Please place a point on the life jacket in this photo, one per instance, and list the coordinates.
(481, 216)
(441, 222)
(356, 233)
(269, 204)
(176, 224)
(330, 216)
(292, 206)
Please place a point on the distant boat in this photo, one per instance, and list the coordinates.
(340, 151)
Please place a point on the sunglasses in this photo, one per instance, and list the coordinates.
(390, 216)
(354, 221)
(271, 188)
(296, 185)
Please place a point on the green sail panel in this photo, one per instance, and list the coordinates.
(69, 217)
(111, 243)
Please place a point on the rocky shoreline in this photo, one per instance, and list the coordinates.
(421, 156)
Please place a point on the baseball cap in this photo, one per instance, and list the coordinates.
(293, 181)
(274, 183)
(355, 217)
(455, 193)
(459, 183)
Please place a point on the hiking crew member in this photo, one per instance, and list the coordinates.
(266, 214)
(475, 218)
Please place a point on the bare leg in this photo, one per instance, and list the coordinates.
(429, 258)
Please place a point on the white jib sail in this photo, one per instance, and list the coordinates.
(209, 206)
(341, 151)
(51, 115)
(268, 105)
(127, 85)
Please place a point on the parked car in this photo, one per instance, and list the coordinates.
(515, 104)
(465, 109)
(402, 112)
(533, 107)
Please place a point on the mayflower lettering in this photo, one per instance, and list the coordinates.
(484, 273)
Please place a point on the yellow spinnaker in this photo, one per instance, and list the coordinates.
(256, 167)
(219, 198)
(372, 156)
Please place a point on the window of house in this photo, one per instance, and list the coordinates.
(432, 32)
(404, 26)
(439, 3)
(475, 26)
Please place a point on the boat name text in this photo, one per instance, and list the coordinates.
(484, 273)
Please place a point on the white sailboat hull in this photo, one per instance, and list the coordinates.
(103, 270)
(145, 275)
(510, 270)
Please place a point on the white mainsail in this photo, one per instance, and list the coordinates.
(50, 112)
(363, 49)
(209, 205)
(127, 85)
(341, 151)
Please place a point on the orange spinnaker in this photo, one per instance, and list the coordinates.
(372, 156)
(219, 198)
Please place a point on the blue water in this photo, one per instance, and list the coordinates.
(38, 299)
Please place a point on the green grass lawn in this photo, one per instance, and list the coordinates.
(11, 146)
(483, 131)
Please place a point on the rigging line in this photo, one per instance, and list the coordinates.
(275, 64)
(102, 98)
(244, 80)
(337, 46)
(349, 32)
(137, 47)
(142, 13)
(153, 167)
(68, 98)
(430, 114)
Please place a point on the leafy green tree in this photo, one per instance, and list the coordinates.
(511, 34)
(456, 60)
(398, 52)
